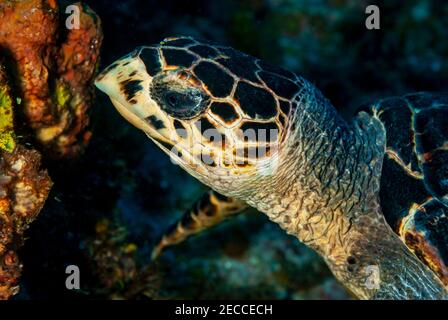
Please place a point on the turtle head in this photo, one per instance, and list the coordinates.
(213, 109)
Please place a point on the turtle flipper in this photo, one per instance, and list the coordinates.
(210, 210)
(425, 231)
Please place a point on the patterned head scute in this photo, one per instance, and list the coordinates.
(212, 105)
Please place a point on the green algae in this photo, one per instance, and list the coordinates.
(7, 136)
(62, 94)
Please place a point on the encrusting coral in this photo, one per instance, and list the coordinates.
(46, 74)
(53, 69)
(23, 191)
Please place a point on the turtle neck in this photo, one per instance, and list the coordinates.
(324, 190)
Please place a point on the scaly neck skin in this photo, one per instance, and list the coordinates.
(325, 192)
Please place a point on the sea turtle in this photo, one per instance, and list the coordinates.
(264, 137)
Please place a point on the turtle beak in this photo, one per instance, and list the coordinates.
(126, 82)
(104, 81)
(109, 79)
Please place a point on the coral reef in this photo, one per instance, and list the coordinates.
(23, 191)
(49, 69)
(117, 273)
(53, 68)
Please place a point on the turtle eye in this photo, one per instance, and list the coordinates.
(182, 105)
(179, 102)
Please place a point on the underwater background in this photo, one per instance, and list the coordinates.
(108, 207)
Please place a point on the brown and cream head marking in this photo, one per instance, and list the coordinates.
(216, 111)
